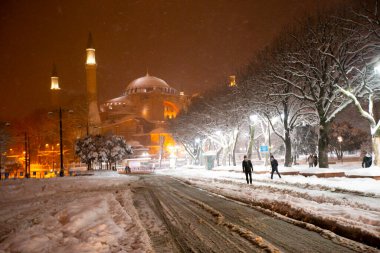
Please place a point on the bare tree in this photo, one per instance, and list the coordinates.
(361, 82)
(269, 95)
(314, 73)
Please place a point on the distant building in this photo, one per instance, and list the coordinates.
(140, 114)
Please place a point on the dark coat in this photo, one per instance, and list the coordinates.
(315, 160)
(367, 161)
(247, 166)
(274, 164)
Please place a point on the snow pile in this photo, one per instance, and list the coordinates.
(190, 166)
(348, 168)
(86, 214)
(372, 171)
(107, 173)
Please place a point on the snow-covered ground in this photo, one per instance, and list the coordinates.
(350, 202)
(96, 213)
(71, 214)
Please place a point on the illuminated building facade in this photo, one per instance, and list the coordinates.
(142, 112)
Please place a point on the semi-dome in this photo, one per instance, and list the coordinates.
(148, 84)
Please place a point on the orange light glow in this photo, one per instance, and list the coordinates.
(155, 140)
(170, 110)
(232, 81)
(90, 56)
(54, 83)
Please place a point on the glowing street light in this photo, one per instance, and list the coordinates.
(253, 117)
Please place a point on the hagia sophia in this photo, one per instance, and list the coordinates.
(140, 114)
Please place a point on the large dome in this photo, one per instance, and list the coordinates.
(148, 84)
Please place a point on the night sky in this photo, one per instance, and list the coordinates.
(192, 45)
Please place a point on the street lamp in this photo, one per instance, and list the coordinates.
(252, 118)
(61, 171)
(340, 140)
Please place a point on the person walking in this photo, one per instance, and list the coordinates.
(274, 165)
(367, 161)
(310, 161)
(315, 157)
(247, 169)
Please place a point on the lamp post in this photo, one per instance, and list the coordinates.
(340, 140)
(1, 153)
(252, 118)
(61, 172)
(26, 155)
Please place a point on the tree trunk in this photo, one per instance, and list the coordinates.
(336, 153)
(190, 153)
(376, 150)
(295, 154)
(251, 140)
(323, 143)
(287, 140)
(198, 160)
(224, 156)
(288, 150)
(218, 156)
(234, 148)
(258, 152)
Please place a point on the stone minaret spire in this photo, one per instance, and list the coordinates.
(54, 87)
(92, 95)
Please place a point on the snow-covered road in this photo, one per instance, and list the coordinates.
(180, 218)
(349, 207)
(109, 212)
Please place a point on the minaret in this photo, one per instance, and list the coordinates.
(54, 88)
(92, 96)
(232, 81)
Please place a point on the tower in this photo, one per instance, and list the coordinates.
(54, 88)
(232, 81)
(92, 96)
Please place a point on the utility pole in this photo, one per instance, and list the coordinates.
(270, 144)
(1, 161)
(26, 155)
(61, 172)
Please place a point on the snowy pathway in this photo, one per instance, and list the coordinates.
(180, 218)
(345, 210)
